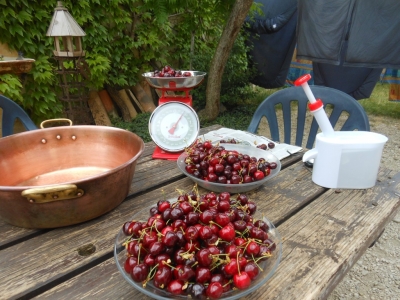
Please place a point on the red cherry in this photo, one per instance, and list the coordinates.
(163, 206)
(261, 224)
(258, 233)
(235, 179)
(240, 225)
(178, 257)
(156, 248)
(231, 268)
(253, 248)
(130, 262)
(222, 219)
(175, 287)
(206, 216)
(270, 244)
(224, 196)
(162, 277)
(149, 260)
(160, 259)
(186, 207)
(223, 205)
(214, 250)
(184, 273)
(214, 290)
(239, 241)
(247, 179)
(204, 257)
(192, 246)
(227, 233)
(259, 175)
(169, 239)
(139, 272)
(205, 232)
(219, 168)
(212, 177)
(166, 229)
(149, 238)
(252, 270)
(179, 225)
(241, 280)
(207, 145)
(232, 250)
(191, 233)
(203, 275)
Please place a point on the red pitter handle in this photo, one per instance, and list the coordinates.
(302, 79)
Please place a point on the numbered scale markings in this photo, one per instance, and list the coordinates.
(173, 126)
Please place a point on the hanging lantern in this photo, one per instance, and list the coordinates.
(66, 32)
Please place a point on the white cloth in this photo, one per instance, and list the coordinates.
(281, 150)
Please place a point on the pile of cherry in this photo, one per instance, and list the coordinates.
(168, 71)
(214, 163)
(200, 245)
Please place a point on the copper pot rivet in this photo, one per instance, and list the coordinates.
(31, 201)
(79, 194)
(55, 197)
(74, 137)
(44, 141)
(58, 137)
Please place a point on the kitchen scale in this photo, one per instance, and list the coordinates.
(174, 124)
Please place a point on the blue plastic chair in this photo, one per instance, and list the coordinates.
(11, 112)
(295, 96)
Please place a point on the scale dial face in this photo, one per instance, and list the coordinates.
(173, 126)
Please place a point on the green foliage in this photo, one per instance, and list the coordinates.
(238, 117)
(9, 86)
(139, 125)
(124, 38)
(378, 104)
(235, 88)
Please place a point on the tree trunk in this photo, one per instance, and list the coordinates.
(238, 14)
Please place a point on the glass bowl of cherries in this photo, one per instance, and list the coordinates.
(233, 168)
(210, 246)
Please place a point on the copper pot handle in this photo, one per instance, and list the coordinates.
(52, 193)
(55, 121)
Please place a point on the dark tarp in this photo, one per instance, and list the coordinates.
(272, 39)
(371, 29)
(358, 82)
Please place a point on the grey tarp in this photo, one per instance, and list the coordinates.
(370, 27)
(272, 39)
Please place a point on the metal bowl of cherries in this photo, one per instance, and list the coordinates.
(234, 168)
(169, 78)
(214, 246)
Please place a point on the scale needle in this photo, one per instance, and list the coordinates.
(172, 129)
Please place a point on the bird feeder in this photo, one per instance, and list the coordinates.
(72, 69)
(66, 33)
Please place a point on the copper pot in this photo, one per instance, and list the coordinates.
(59, 176)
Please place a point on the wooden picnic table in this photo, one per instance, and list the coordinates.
(324, 231)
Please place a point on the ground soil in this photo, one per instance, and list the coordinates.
(376, 275)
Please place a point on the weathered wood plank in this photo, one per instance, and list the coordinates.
(325, 239)
(144, 177)
(321, 243)
(54, 254)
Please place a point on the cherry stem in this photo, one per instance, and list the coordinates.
(237, 262)
(256, 262)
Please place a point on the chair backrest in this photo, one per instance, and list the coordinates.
(340, 102)
(11, 112)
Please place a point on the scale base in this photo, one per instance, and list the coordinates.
(187, 100)
(162, 154)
